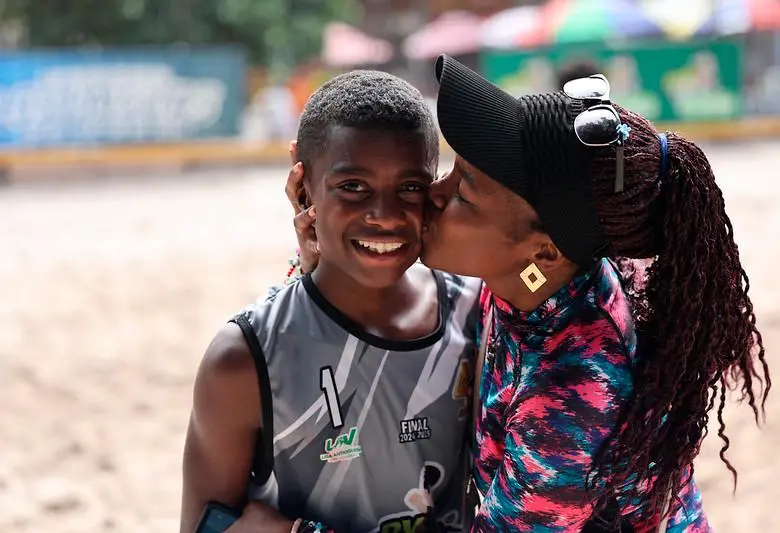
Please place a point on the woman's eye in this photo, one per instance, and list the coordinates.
(458, 197)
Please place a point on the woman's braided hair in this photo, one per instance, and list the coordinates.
(697, 329)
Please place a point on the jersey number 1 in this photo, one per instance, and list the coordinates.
(328, 386)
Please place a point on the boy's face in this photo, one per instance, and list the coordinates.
(369, 189)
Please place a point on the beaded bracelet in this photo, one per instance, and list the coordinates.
(294, 272)
(308, 526)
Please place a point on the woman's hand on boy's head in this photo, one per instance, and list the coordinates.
(304, 215)
(307, 239)
(294, 187)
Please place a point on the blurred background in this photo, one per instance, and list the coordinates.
(143, 152)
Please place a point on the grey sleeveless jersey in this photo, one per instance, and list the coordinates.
(364, 434)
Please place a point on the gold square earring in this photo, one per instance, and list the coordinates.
(533, 277)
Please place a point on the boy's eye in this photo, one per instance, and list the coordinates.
(353, 186)
(415, 187)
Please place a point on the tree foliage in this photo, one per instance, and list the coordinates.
(277, 33)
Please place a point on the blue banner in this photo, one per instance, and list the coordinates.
(93, 97)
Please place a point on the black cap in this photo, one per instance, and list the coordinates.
(528, 145)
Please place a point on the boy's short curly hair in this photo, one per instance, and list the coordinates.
(364, 99)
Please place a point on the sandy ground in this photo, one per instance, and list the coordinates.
(111, 290)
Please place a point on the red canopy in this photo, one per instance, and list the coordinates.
(453, 33)
(346, 46)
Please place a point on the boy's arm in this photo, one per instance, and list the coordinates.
(308, 250)
(223, 429)
(221, 440)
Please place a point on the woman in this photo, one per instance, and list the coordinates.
(615, 310)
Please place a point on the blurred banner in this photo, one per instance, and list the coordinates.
(665, 81)
(95, 97)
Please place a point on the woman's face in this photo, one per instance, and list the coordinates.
(476, 227)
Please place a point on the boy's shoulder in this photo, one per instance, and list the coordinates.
(276, 301)
(454, 291)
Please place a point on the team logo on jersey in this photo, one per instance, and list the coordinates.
(342, 448)
(414, 429)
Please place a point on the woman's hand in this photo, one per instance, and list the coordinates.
(305, 216)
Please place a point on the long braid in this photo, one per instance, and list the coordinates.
(693, 313)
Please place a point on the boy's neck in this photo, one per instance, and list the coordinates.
(405, 310)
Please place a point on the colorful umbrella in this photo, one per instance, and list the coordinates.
(512, 28)
(681, 19)
(454, 33)
(740, 16)
(763, 14)
(346, 46)
(579, 21)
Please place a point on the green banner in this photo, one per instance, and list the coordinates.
(670, 82)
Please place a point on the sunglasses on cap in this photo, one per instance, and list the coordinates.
(599, 124)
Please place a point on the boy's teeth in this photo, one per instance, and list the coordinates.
(381, 247)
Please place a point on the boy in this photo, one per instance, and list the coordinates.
(342, 398)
